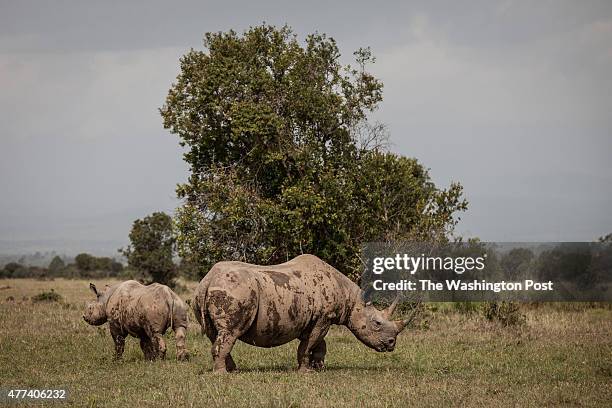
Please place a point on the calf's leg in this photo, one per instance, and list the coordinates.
(119, 339)
(181, 351)
(160, 346)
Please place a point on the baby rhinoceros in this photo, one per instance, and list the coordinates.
(142, 311)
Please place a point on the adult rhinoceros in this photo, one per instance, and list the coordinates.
(267, 306)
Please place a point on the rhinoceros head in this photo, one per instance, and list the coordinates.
(374, 327)
(95, 311)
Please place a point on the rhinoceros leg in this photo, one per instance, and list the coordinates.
(221, 349)
(230, 365)
(147, 347)
(181, 351)
(310, 343)
(119, 339)
(232, 313)
(160, 346)
(317, 356)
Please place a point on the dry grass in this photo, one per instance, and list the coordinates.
(556, 358)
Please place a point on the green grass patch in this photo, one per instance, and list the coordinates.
(555, 358)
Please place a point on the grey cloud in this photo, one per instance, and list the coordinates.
(510, 98)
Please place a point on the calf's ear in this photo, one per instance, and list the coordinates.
(93, 288)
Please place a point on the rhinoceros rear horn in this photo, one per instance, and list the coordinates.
(389, 311)
(93, 288)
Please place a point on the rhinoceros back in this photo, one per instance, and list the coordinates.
(143, 309)
(271, 305)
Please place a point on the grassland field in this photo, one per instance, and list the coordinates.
(561, 356)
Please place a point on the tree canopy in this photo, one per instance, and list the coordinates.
(56, 265)
(283, 159)
(151, 248)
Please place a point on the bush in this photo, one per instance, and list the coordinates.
(151, 248)
(84, 262)
(506, 313)
(89, 266)
(466, 307)
(56, 266)
(22, 272)
(130, 273)
(13, 270)
(51, 296)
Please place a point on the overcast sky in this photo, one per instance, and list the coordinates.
(512, 99)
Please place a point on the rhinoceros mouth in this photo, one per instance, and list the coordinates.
(382, 348)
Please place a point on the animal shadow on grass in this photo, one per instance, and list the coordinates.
(286, 369)
(275, 368)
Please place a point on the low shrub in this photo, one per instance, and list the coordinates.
(506, 313)
(50, 296)
(466, 307)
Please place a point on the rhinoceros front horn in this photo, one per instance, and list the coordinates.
(402, 324)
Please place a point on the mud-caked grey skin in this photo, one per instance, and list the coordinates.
(267, 306)
(145, 312)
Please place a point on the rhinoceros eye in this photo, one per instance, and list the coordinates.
(377, 324)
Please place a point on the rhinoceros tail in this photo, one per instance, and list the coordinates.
(172, 314)
(199, 306)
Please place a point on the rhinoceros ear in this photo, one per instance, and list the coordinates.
(366, 295)
(93, 288)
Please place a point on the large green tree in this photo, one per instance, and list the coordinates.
(151, 248)
(283, 159)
